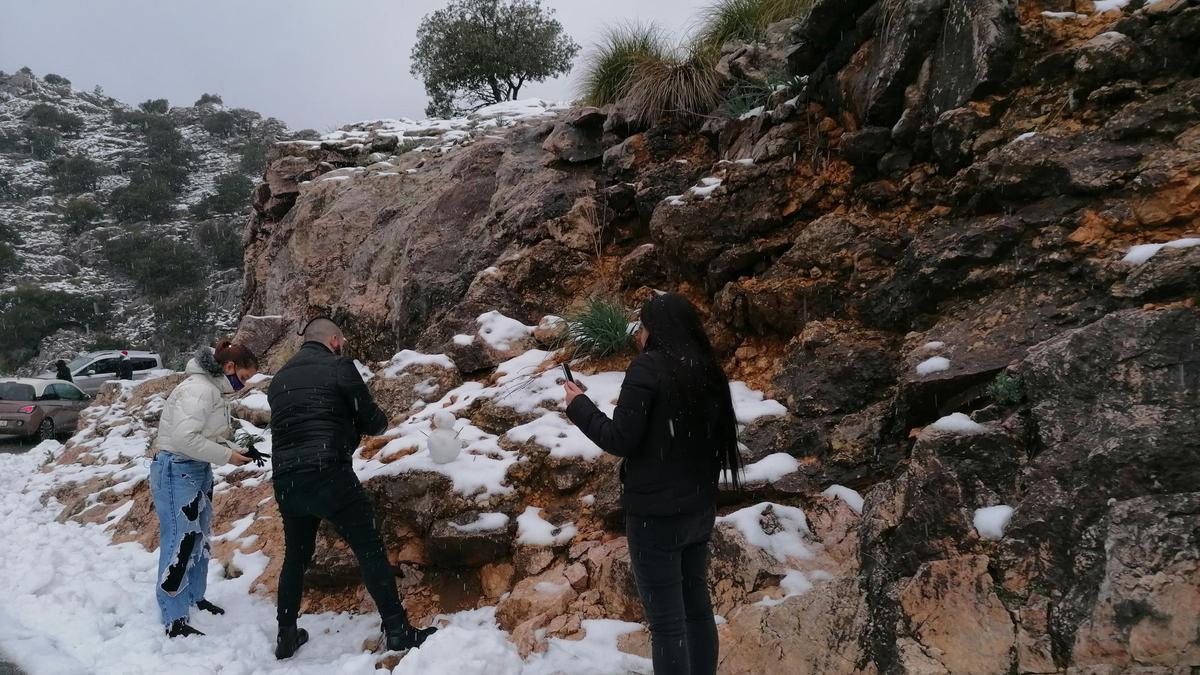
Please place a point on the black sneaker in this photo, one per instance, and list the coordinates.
(180, 628)
(289, 640)
(407, 638)
(209, 607)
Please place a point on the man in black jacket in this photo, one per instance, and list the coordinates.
(320, 408)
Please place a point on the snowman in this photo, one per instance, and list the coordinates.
(444, 443)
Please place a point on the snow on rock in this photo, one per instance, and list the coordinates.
(933, 346)
(409, 358)
(768, 469)
(935, 364)
(1143, 252)
(555, 432)
(533, 530)
(795, 583)
(852, 498)
(991, 521)
(750, 405)
(788, 540)
(706, 187)
(958, 423)
(255, 400)
(472, 644)
(1106, 5)
(502, 333)
(485, 522)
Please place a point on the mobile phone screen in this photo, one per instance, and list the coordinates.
(567, 373)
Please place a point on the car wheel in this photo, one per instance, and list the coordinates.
(45, 430)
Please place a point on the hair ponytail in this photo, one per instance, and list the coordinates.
(226, 351)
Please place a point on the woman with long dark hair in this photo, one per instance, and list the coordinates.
(675, 430)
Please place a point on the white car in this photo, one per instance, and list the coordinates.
(90, 370)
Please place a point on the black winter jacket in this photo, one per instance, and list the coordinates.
(320, 408)
(667, 469)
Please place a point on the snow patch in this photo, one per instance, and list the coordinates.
(486, 522)
(1143, 252)
(768, 469)
(501, 332)
(409, 358)
(932, 365)
(790, 541)
(852, 498)
(533, 530)
(991, 521)
(958, 423)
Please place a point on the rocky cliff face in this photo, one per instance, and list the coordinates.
(960, 252)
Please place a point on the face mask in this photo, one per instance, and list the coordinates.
(235, 382)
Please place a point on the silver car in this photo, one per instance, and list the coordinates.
(90, 370)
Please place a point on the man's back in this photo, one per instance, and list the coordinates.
(320, 407)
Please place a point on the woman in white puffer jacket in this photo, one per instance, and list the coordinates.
(195, 432)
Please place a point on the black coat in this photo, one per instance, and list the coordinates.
(669, 467)
(320, 408)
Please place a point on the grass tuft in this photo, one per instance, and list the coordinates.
(683, 83)
(746, 20)
(610, 66)
(600, 328)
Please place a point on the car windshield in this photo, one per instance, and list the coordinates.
(78, 362)
(15, 391)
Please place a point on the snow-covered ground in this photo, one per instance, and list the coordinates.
(75, 603)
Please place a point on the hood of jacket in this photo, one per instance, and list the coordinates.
(204, 362)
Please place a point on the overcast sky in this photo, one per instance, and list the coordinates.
(311, 63)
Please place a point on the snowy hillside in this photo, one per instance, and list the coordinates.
(119, 225)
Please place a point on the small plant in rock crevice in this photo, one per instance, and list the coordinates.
(600, 328)
(1006, 389)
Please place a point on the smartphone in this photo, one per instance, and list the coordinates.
(567, 372)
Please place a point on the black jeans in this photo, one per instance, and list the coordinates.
(335, 495)
(670, 564)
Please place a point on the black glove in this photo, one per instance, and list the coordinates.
(259, 458)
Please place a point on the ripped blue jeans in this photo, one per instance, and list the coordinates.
(182, 490)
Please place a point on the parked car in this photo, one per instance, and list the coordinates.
(92, 369)
(39, 409)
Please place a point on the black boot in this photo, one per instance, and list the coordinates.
(290, 639)
(209, 607)
(406, 637)
(180, 628)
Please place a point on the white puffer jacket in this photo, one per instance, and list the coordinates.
(195, 422)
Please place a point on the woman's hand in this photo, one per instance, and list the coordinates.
(237, 459)
(572, 390)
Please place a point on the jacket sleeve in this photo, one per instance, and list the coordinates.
(188, 434)
(622, 435)
(369, 420)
